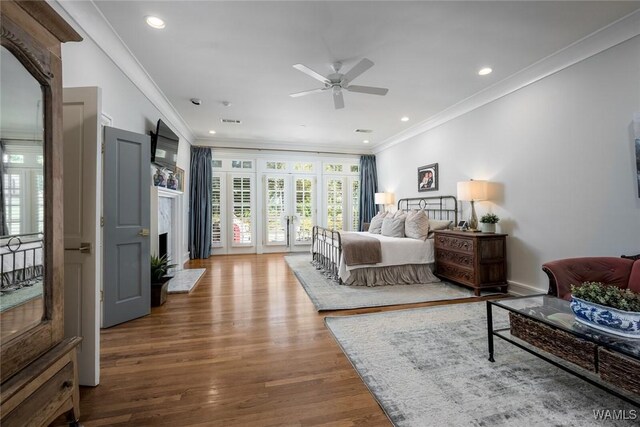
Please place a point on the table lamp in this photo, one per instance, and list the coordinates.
(384, 199)
(472, 191)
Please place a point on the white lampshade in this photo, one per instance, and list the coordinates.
(385, 198)
(472, 191)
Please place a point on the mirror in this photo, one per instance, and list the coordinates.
(21, 198)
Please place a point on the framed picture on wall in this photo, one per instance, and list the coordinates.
(428, 177)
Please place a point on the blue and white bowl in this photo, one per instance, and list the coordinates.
(607, 319)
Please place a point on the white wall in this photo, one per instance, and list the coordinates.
(561, 154)
(85, 64)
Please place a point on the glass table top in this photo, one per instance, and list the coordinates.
(556, 312)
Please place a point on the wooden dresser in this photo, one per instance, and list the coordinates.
(477, 260)
(38, 372)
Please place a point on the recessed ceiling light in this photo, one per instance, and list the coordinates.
(212, 132)
(404, 119)
(155, 22)
(366, 141)
(484, 71)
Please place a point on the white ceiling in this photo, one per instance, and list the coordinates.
(426, 53)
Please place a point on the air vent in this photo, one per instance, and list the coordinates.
(236, 122)
(364, 131)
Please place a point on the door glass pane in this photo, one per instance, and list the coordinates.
(216, 197)
(242, 222)
(275, 201)
(334, 204)
(355, 204)
(304, 210)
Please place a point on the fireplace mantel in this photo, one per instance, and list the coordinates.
(176, 230)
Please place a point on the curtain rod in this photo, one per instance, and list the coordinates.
(280, 149)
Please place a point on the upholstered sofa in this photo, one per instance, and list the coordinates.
(622, 272)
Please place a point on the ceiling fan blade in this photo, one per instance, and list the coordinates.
(368, 89)
(338, 100)
(357, 69)
(306, 92)
(308, 71)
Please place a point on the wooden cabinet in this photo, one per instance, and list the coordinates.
(477, 260)
(38, 373)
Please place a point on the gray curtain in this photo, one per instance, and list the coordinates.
(368, 189)
(200, 203)
(4, 228)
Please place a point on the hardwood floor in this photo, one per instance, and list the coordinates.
(245, 348)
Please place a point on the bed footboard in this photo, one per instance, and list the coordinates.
(326, 247)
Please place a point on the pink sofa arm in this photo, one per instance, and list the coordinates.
(574, 271)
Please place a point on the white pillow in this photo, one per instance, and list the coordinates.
(416, 226)
(375, 226)
(393, 227)
(436, 224)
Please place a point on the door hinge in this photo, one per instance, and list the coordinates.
(101, 221)
(102, 147)
(101, 295)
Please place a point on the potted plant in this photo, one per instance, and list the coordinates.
(607, 308)
(159, 279)
(489, 222)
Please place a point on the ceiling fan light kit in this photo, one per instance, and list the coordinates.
(338, 82)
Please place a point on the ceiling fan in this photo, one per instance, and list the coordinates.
(336, 82)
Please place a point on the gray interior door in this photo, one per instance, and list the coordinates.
(126, 189)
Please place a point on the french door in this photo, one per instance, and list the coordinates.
(233, 225)
(289, 212)
(341, 202)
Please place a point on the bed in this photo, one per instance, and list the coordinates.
(20, 261)
(404, 260)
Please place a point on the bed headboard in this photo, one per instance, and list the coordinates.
(436, 207)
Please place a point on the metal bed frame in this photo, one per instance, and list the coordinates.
(326, 244)
(11, 246)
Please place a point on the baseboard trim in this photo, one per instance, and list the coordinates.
(521, 289)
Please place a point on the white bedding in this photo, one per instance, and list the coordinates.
(28, 255)
(395, 251)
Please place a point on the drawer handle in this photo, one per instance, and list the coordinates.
(67, 384)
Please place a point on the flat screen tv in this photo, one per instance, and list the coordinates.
(164, 146)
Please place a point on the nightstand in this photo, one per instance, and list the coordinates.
(476, 260)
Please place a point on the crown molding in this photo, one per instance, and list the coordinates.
(250, 144)
(93, 23)
(605, 38)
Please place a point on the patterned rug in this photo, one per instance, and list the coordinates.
(326, 294)
(20, 296)
(429, 367)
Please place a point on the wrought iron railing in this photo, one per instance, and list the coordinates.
(21, 261)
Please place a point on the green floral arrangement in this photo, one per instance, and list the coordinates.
(159, 267)
(489, 218)
(609, 296)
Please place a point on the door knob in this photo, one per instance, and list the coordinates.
(144, 232)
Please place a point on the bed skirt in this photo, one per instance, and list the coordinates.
(410, 274)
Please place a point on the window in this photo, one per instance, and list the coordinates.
(241, 208)
(334, 203)
(241, 164)
(39, 202)
(304, 209)
(276, 165)
(355, 168)
(216, 211)
(355, 205)
(303, 167)
(216, 164)
(333, 167)
(275, 201)
(13, 187)
(13, 158)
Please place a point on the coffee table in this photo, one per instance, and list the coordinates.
(555, 314)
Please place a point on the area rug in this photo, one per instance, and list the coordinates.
(20, 296)
(184, 281)
(327, 294)
(429, 367)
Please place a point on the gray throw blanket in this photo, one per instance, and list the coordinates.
(360, 250)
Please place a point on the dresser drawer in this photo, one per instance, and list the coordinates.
(44, 403)
(463, 259)
(456, 273)
(454, 243)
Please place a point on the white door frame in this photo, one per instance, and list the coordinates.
(83, 278)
